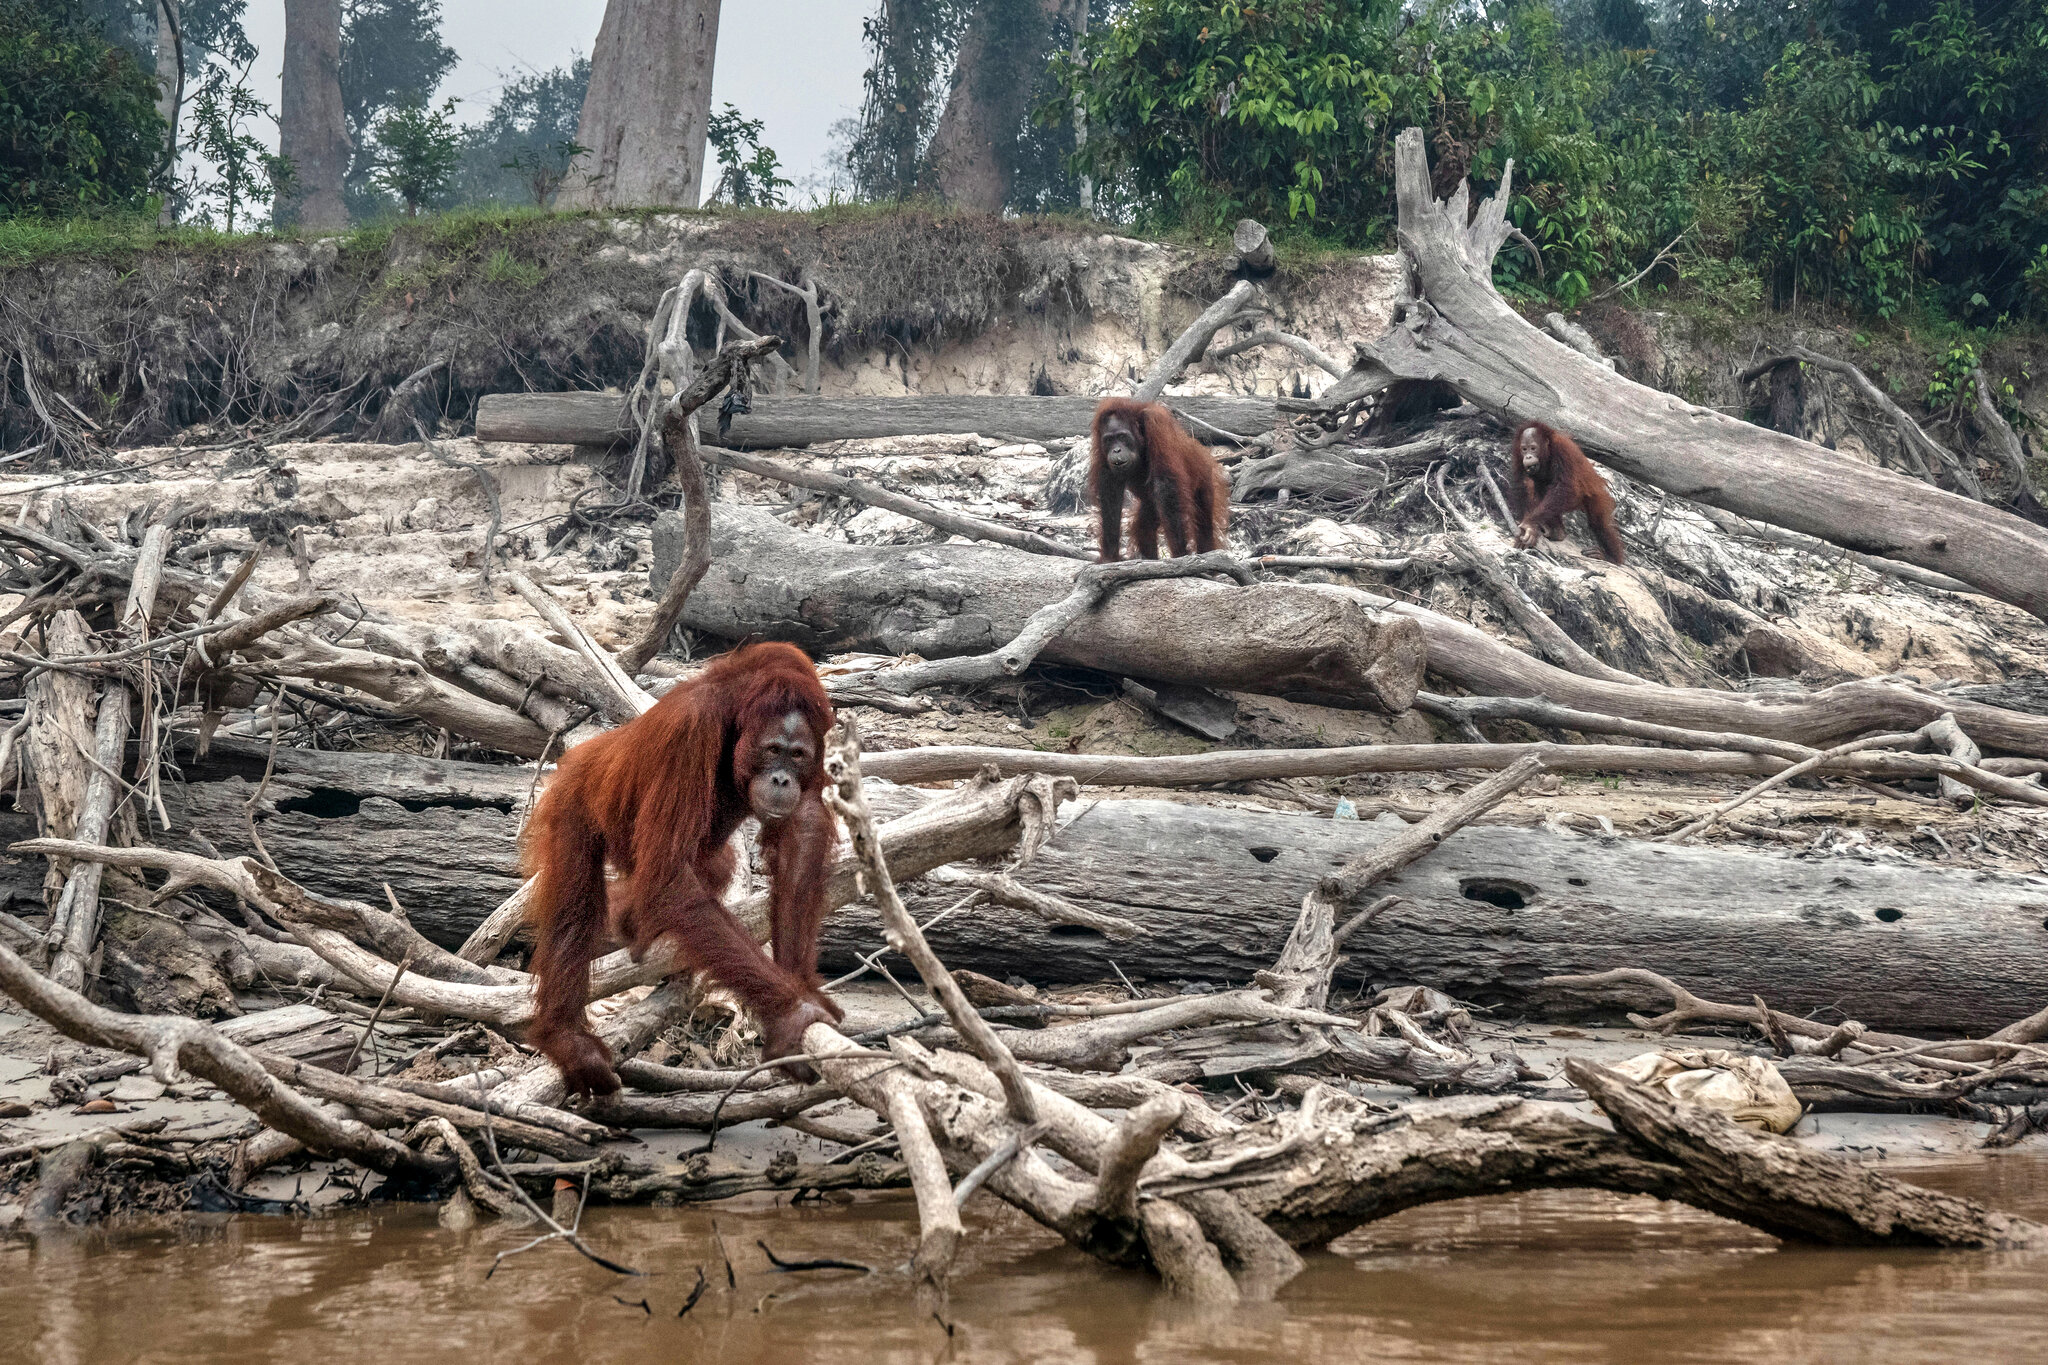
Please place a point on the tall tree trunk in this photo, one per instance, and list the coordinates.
(170, 83)
(1080, 25)
(648, 106)
(972, 155)
(312, 130)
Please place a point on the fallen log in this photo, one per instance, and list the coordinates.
(448, 862)
(942, 601)
(1365, 1168)
(939, 601)
(1496, 908)
(600, 419)
(1460, 331)
(1216, 891)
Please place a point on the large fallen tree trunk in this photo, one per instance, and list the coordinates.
(943, 601)
(940, 601)
(1487, 916)
(1458, 330)
(600, 419)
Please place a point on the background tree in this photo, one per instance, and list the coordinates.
(910, 43)
(1004, 49)
(312, 135)
(526, 146)
(170, 74)
(960, 103)
(392, 57)
(419, 148)
(749, 173)
(648, 109)
(232, 174)
(79, 129)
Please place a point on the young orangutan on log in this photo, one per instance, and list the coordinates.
(1178, 484)
(1549, 477)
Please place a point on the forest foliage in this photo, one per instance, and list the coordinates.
(1875, 153)
(1885, 156)
(79, 129)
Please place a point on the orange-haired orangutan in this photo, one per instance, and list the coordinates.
(1179, 486)
(658, 800)
(1549, 477)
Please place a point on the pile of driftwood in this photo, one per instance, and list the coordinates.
(147, 657)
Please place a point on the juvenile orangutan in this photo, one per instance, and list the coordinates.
(1178, 484)
(1550, 477)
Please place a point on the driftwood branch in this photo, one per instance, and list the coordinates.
(626, 698)
(1786, 1190)
(939, 762)
(1922, 451)
(874, 495)
(1637, 278)
(1192, 342)
(1301, 975)
(172, 1043)
(938, 1215)
(1301, 346)
(679, 439)
(814, 318)
(849, 803)
(495, 934)
(1998, 433)
(1557, 646)
(76, 918)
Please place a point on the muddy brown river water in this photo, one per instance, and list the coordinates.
(1563, 1276)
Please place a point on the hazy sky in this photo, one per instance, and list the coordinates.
(795, 64)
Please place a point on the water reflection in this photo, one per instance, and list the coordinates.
(1559, 1276)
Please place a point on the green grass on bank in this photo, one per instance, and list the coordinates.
(30, 240)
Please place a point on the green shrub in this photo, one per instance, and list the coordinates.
(79, 129)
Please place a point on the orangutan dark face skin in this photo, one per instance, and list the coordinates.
(1530, 450)
(783, 758)
(1120, 443)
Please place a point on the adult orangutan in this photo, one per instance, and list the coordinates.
(1550, 477)
(658, 800)
(1178, 484)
